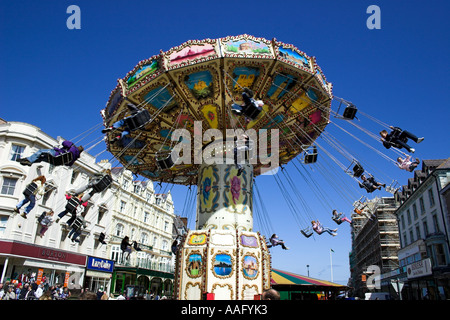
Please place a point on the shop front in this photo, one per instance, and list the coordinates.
(98, 274)
(22, 262)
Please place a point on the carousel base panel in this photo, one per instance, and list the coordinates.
(222, 265)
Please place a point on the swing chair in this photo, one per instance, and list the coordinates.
(104, 183)
(72, 204)
(30, 189)
(337, 219)
(62, 159)
(307, 232)
(138, 120)
(164, 160)
(357, 169)
(349, 112)
(309, 154)
(393, 187)
(101, 238)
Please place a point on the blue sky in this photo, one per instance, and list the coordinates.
(59, 80)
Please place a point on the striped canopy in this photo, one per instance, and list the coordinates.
(279, 277)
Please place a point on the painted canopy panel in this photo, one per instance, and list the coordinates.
(197, 83)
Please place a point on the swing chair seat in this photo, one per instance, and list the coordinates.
(337, 220)
(61, 159)
(357, 169)
(165, 162)
(138, 120)
(310, 155)
(350, 112)
(30, 189)
(251, 111)
(103, 184)
(72, 204)
(306, 233)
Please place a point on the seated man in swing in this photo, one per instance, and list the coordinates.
(398, 138)
(50, 155)
(370, 184)
(133, 122)
(319, 229)
(339, 217)
(275, 241)
(100, 183)
(250, 108)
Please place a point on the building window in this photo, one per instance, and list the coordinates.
(74, 176)
(418, 232)
(123, 205)
(440, 255)
(16, 152)
(3, 221)
(402, 219)
(431, 196)
(125, 184)
(408, 216)
(411, 236)
(115, 253)
(415, 211)
(166, 226)
(425, 228)
(146, 216)
(119, 230)
(422, 205)
(8, 186)
(436, 223)
(144, 238)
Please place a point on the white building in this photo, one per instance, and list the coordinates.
(423, 220)
(127, 208)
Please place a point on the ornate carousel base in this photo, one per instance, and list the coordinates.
(222, 265)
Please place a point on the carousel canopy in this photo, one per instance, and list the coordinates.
(194, 86)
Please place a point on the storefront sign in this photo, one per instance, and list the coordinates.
(100, 264)
(419, 269)
(66, 279)
(53, 254)
(39, 276)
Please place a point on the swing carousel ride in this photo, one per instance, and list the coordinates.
(193, 87)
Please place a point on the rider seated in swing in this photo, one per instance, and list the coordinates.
(77, 226)
(398, 138)
(134, 121)
(49, 155)
(99, 184)
(339, 217)
(239, 150)
(125, 246)
(370, 184)
(275, 241)
(250, 108)
(319, 228)
(71, 207)
(407, 163)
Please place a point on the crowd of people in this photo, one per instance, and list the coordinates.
(32, 291)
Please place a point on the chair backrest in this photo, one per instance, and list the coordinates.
(306, 234)
(165, 162)
(72, 204)
(350, 112)
(251, 111)
(138, 120)
(61, 159)
(336, 219)
(103, 184)
(30, 189)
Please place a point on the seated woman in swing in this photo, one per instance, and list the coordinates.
(71, 207)
(319, 228)
(47, 155)
(250, 108)
(275, 241)
(370, 184)
(339, 217)
(407, 164)
(36, 187)
(130, 123)
(398, 138)
(100, 183)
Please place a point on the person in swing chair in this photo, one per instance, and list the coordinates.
(250, 108)
(36, 187)
(47, 154)
(275, 241)
(370, 184)
(128, 124)
(398, 138)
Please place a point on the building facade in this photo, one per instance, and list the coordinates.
(424, 258)
(375, 243)
(128, 207)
